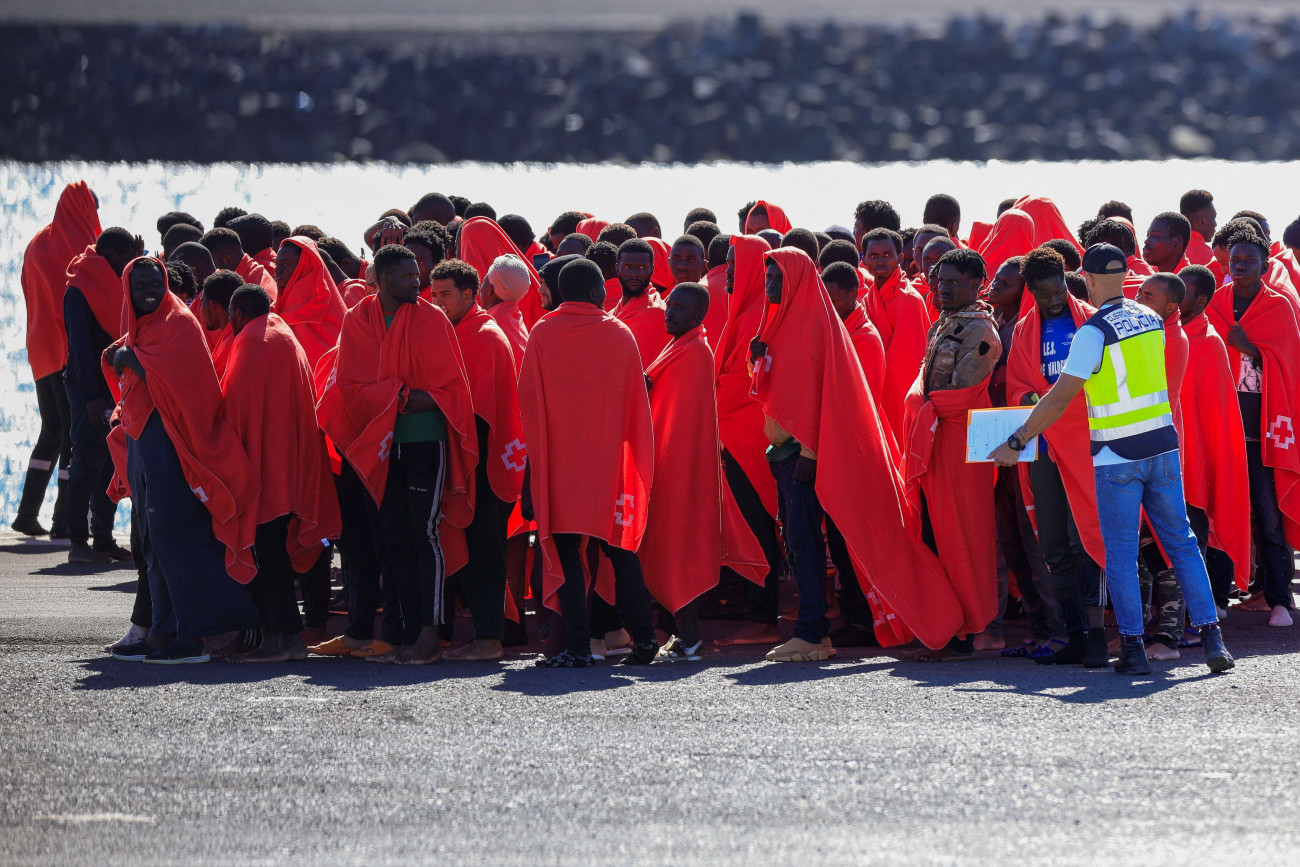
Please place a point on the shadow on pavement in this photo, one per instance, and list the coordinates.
(124, 587)
(85, 568)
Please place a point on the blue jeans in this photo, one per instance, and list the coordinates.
(1155, 484)
(801, 521)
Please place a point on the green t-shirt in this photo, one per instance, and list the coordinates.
(429, 426)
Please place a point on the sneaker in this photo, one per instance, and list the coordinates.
(131, 652)
(642, 653)
(179, 653)
(114, 551)
(798, 650)
(1097, 654)
(565, 659)
(677, 651)
(1216, 655)
(80, 552)
(1132, 658)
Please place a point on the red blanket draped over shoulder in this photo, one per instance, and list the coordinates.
(978, 233)
(1270, 323)
(686, 536)
(716, 319)
(812, 385)
(511, 323)
(493, 384)
(644, 317)
(740, 418)
(589, 433)
(102, 289)
(254, 271)
(902, 318)
(182, 386)
(1068, 441)
(44, 276)
(1012, 235)
(776, 218)
(270, 400)
(958, 495)
(480, 242)
(1198, 252)
(1176, 350)
(1048, 222)
(373, 370)
(1214, 445)
(870, 349)
(591, 227)
(353, 291)
(662, 276)
(310, 303)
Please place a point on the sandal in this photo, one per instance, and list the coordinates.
(333, 647)
(1025, 648)
(374, 648)
(1045, 650)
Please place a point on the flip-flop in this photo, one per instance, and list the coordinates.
(333, 647)
(374, 648)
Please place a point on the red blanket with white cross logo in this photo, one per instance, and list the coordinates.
(490, 366)
(1270, 324)
(586, 416)
(376, 368)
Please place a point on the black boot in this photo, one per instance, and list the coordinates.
(29, 506)
(1217, 656)
(59, 528)
(1098, 655)
(1132, 657)
(1072, 654)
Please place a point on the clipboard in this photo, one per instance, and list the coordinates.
(986, 429)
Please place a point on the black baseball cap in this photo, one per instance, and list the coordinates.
(1104, 259)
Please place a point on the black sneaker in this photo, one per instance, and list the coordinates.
(565, 659)
(1098, 652)
(1217, 656)
(131, 652)
(1132, 658)
(643, 653)
(179, 652)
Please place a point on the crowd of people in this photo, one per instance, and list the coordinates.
(981, 89)
(472, 414)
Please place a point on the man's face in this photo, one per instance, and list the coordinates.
(400, 284)
(1193, 305)
(859, 229)
(1161, 248)
(214, 316)
(756, 223)
(1205, 221)
(1245, 266)
(1051, 295)
(843, 299)
(147, 288)
(1008, 286)
(953, 289)
(881, 258)
(1220, 255)
(423, 261)
(933, 253)
(731, 270)
(1152, 294)
(226, 259)
(774, 282)
(634, 270)
(686, 263)
(237, 318)
(286, 262)
(918, 249)
(683, 313)
(202, 266)
(556, 237)
(454, 302)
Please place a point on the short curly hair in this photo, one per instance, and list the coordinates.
(1042, 263)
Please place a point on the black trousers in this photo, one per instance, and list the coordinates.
(1276, 563)
(629, 592)
(53, 446)
(853, 602)
(1076, 579)
(483, 578)
(763, 602)
(90, 511)
(272, 589)
(360, 557)
(410, 547)
(1217, 563)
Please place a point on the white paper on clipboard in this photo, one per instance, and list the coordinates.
(986, 429)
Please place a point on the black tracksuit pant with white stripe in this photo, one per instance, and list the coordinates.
(410, 548)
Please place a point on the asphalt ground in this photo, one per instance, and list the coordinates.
(868, 758)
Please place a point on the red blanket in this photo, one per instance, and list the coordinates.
(511, 322)
(870, 349)
(591, 227)
(1198, 252)
(776, 217)
(716, 319)
(685, 538)
(978, 233)
(1214, 445)
(102, 289)
(613, 294)
(45, 276)
(1048, 222)
(902, 318)
(740, 418)
(1270, 323)
(373, 371)
(591, 446)
(221, 347)
(644, 316)
(353, 291)
(493, 384)
(1138, 272)
(255, 272)
(1176, 350)
(1068, 441)
(310, 303)
(661, 277)
(270, 400)
(1012, 235)
(182, 386)
(480, 242)
(812, 385)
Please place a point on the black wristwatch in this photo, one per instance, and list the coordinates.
(1014, 443)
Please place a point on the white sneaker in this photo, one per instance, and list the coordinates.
(1280, 616)
(134, 635)
(677, 651)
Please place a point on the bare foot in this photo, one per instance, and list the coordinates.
(274, 648)
(754, 633)
(1255, 603)
(616, 639)
(989, 642)
(1281, 617)
(476, 651)
(425, 650)
(1161, 652)
(311, 636)
(943, 654)
(598, 648)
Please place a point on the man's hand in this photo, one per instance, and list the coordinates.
(98, 411)
(389, 230)
(805, 470)
(1005, 456)
(757, 349)
(125, 357)
(419, 400)
(1237, 339)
